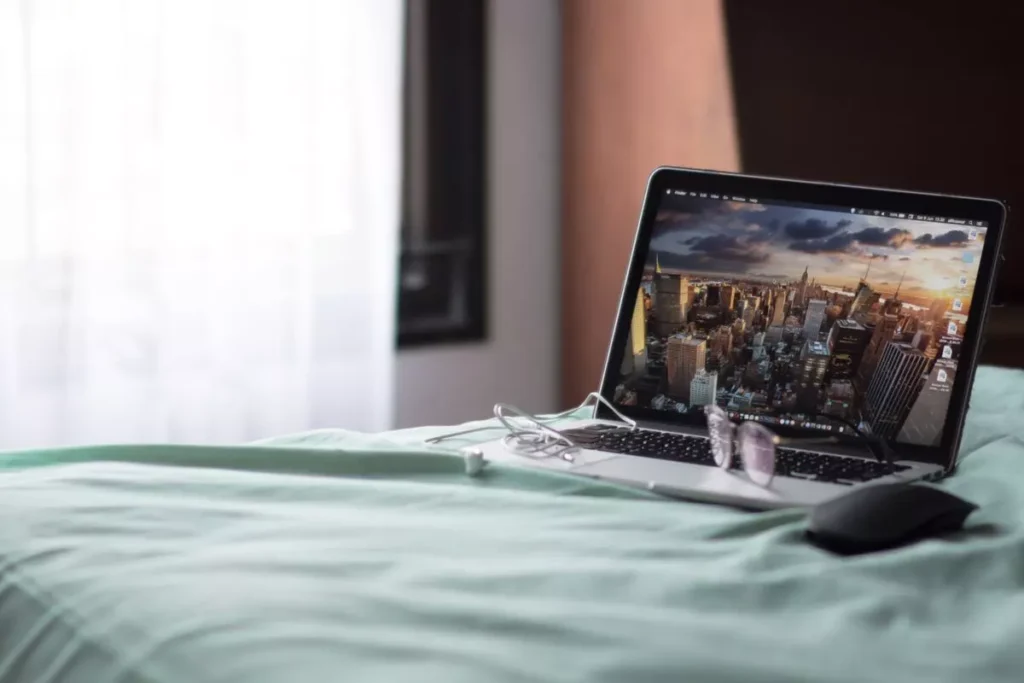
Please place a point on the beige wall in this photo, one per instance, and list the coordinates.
(645, 84)
(518, 363)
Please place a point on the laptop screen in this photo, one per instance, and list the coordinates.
(802, 315)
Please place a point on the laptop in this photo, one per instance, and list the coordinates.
(814, 309)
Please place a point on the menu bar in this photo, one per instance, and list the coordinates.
(919, 217)
(712, 195)
(854, 210)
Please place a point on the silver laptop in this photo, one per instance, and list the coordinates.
(816, 310)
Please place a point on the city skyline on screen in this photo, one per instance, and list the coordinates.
(801, 316)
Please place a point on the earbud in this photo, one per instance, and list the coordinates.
(474, 461)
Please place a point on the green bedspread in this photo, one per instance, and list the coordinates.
(336, 556)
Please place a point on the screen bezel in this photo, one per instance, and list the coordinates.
(767, 190)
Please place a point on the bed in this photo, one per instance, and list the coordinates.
(339, 556)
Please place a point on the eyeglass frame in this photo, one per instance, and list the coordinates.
(878, 447)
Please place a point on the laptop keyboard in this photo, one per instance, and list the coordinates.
(834, 469)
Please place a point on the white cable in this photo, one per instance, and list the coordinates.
(531, 436)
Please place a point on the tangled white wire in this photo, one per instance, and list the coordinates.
(531, 436)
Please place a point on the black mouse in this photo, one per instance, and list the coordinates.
(883, 516)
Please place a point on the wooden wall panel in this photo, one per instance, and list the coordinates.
(645, 84)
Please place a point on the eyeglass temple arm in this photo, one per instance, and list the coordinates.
(878, 447)
(783, 441)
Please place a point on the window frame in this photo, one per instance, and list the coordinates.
(443, 264)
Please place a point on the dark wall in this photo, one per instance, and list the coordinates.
(917, 95)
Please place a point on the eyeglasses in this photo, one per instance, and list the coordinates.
(756, 444)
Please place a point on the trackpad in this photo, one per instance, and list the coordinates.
(677, 476)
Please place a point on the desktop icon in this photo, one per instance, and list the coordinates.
(951, 328)
(963, 281)
(968, 257)
(947, 352)
(941, 375)
(972, 234)
(958, 305)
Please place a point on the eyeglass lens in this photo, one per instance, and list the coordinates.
(720, 431)
(757, 450)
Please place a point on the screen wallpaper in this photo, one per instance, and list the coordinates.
(798, 315)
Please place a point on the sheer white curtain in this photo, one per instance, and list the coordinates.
(198, 217)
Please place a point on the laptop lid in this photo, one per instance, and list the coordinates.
(806, 306)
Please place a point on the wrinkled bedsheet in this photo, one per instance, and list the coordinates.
(339, 556)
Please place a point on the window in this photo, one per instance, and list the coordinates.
(442, 271)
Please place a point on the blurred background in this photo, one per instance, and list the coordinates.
(227, 220)
(873, 93)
